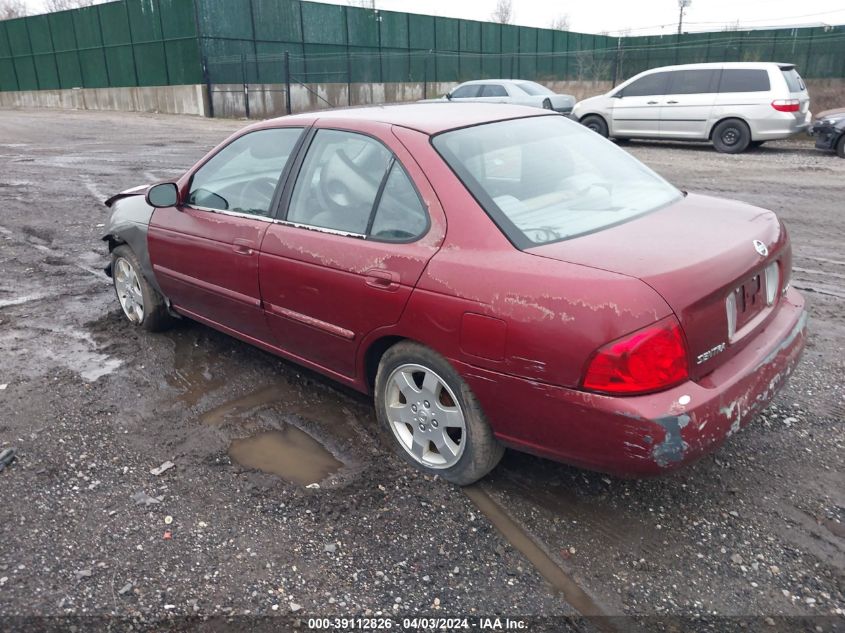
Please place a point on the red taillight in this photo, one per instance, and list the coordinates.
(650, 359)
(786, 105)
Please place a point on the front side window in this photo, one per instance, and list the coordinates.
(744, 80)
(466, 92)
(653, 84)
(546, 179)
(242, 177)
(339, 181)
(494, 90)
(688, 82)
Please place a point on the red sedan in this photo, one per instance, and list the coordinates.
(494, 275)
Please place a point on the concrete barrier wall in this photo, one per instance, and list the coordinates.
(165, 99)
(268, 100)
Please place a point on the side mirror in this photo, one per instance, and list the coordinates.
(617, 95)
(448, 95)
(165, 194)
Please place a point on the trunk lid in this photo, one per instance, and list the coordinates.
(695, 253)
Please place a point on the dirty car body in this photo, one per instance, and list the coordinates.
(599, 316)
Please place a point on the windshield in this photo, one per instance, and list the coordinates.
(545, 179)
(533, 89)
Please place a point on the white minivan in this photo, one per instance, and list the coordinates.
(733, 104)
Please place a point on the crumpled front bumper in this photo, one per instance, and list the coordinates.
(826, 134)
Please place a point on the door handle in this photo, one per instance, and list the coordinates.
(672, 102)
(652, 103)
(242, 246)
(382, 279)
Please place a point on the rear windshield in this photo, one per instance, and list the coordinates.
(744, 80)
(533, 89)
(793, 80)
(546, 179)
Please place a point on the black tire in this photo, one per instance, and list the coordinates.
(547, 104)
(731, 136)
(155, 316)
(840, 147)
(480, 449)
(595, 123)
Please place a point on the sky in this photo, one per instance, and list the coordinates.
(616, 16)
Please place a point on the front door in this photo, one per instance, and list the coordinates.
(205, 252)
(353, 243)
(636, 107)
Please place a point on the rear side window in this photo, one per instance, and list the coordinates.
(494, 90)
(653, 84)
(744, 80)
(687, 82)
(793, 80)
(339, 181)
(400, 215)
(466, 92)
(352, 183)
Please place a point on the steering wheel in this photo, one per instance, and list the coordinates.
(259, 192)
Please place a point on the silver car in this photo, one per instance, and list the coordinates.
(734, 105)
(515, 91)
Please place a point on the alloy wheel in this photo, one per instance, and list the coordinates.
(425, 416)
(128, 287)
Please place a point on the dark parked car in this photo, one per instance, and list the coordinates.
(829, 130)
(493, 274)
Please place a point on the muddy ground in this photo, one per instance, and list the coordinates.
(93, 405)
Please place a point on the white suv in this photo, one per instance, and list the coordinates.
(732, 104)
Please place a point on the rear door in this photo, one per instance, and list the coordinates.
(493, 93)
(636, 107)
(688, 103)
(353, 238)
(205, 252)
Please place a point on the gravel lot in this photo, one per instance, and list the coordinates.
(92, 406)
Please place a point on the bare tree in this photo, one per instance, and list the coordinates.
(503, 13)
(561, 22)
(63, 5)
(12, 9)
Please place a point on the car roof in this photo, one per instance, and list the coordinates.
(429, 118)
(781, 65)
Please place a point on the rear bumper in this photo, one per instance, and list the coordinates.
(650, 434)
(778, 125)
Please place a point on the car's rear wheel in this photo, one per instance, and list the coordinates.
(432, 417)
(142, 304)
(731, 136)
(595, 123)
(840, 147)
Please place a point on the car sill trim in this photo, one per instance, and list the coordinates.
(331, 328)
(199, 283)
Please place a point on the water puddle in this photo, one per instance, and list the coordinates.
(546, 567)
(192, 371)
(290, 453)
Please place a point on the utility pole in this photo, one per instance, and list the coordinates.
(682, 4)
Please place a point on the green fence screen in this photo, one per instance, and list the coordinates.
(175, 42)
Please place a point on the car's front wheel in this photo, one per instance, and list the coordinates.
(595, 123)
(432, 417)
(141, 303)
(840, 147)
(731, 136)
